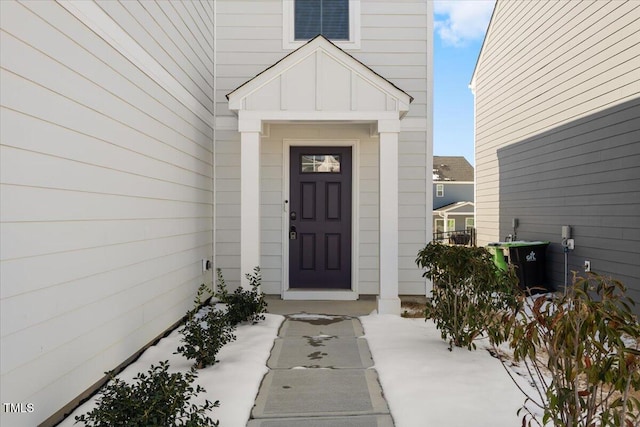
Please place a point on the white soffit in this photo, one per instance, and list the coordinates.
(320, 77)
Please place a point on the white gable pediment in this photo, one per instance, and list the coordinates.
(319, 76)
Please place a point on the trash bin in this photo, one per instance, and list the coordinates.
(497, 253)
(529, 258)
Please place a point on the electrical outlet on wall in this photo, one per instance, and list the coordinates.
(587, 266)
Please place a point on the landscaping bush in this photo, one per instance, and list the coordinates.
(243, 305)
(154, 399)
(205, 332)
(469, 293)
(581, 348)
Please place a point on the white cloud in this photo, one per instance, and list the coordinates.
(460, 21)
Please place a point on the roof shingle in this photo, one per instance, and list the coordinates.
(452, 168)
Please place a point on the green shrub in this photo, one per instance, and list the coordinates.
(243, 305)
(469, 293)
(582, 350)
(154, 399)
(204, 333)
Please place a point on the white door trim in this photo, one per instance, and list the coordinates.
(352, 294)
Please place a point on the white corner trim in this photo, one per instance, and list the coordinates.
(90, 14)
(288, 29)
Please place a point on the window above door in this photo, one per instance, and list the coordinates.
(337, 20)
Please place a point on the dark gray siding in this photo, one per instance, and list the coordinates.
(557, 93)
(585, 173)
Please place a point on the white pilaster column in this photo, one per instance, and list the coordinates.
(388, 300)
(249, 196)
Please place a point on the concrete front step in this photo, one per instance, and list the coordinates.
(322, 351)
(319, 392)
(355, 421)
(321, 325)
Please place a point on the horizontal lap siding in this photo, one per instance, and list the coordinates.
(227, 205)
(393, 44)
(271, 210)
(414, 206)
(248, 40)
(558, 131)
(107, 197)
(369, 211)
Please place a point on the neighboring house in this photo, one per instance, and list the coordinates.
(452, 195)
(141, 139)
(557, 104)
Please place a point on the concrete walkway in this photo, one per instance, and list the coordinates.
(321, 375)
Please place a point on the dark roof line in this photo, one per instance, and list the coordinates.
(337, 47)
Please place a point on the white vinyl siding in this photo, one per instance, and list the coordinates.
(557, 104)
(551, 87)
(393, 43)
(107, 201)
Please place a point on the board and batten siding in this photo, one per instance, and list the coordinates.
(394, 43)
(557, 93)
(106, 190)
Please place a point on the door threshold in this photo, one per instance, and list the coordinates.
(320, 295)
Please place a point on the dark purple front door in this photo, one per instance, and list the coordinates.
(320, 218)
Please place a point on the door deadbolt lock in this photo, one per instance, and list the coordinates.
(293, 234)
(293, 216)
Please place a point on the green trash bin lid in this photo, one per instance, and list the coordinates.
(498, 256)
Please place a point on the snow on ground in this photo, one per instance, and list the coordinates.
(308, 316)
(427, 385)
(234, 381)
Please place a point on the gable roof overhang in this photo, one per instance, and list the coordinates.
(319, 82)
(456, 208)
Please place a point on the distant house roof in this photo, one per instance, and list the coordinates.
(460, 208)
(452, 168)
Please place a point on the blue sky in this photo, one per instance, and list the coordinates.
(460, 26)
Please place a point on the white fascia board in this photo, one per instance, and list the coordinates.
(458, 205)
(407, 125)
(457, 213)
(321, 116)
(452, 182)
